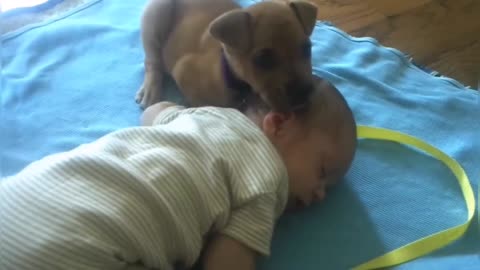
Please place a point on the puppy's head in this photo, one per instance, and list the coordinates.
(268, 46)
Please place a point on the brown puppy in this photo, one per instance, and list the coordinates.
(217, 52)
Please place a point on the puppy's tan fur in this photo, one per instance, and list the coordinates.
(184, 38)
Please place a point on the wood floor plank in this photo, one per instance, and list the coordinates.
(466, 59)
(349, 15)
(390, 8)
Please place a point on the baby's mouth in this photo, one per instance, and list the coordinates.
(299, 205)
(296, 204)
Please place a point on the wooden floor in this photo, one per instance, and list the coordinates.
(443, 35)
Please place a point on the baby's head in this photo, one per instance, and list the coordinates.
(317, 142)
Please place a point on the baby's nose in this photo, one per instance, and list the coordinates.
(319, 194)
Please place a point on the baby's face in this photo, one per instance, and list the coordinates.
(316, 153)
(314, 164)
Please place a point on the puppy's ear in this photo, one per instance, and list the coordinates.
(233, 29)
(306, 13)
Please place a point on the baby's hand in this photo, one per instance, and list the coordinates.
(224, 252)
(153, 111)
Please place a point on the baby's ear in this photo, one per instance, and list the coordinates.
(275, 124)
(233, 29)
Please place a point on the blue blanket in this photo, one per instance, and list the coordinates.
(73, 79)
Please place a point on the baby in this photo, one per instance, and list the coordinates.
(191, 180)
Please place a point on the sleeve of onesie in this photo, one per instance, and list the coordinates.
(258, 185)
(253, 223)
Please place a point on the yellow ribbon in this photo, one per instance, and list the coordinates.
(437, 240)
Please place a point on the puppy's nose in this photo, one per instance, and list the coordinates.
(298, 92)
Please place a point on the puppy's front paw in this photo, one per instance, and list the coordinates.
(148, 94)
(139, 95)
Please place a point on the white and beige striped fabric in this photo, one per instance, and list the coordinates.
(145, 196)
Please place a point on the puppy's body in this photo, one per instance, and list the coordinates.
(176, 41)
(185, 38)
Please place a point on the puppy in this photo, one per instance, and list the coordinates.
(218, 52)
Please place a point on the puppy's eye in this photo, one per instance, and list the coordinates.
(307, 49)
(265, 59)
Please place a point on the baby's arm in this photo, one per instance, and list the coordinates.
(246, 236)
(153, 111)
(224, 252)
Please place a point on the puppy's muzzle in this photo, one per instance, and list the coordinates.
(298, 92)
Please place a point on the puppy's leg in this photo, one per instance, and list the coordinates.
(156, 24)
(199, 84)
(150, 91)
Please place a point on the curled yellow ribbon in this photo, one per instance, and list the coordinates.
(434, 241)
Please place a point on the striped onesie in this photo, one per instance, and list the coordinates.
(145, 197)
